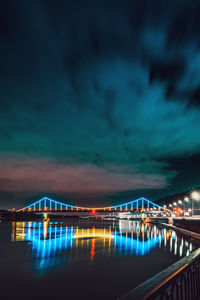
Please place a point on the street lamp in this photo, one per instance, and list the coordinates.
(174, 204)
(180, 202)
(195, 197)
(186, 199)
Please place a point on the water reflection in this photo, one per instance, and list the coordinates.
(50, 240)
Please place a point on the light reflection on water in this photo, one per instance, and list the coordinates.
(50, 240)
(83, 259)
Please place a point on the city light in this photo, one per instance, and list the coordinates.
(195, 195)
(140, 204)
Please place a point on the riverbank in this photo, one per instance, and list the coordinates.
(169, 282)
(188, 224)
(188, 233)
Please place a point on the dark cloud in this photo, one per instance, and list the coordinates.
(101, 85)
(168, 71)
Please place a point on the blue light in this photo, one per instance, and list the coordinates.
(55, 239)
(135, 246)
(58, 238)
(142, 201)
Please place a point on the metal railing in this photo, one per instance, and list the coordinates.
(181, 281)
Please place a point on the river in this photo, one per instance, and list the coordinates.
(83, 259)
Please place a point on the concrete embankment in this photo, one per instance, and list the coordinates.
(191, 234)
(188, 224)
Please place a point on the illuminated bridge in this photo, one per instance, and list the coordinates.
(48, 204)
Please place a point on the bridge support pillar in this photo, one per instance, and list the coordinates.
(142, 204)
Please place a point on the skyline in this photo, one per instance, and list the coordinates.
(99, 101)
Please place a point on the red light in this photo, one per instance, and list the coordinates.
(93, 212)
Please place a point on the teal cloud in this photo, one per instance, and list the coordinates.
(111, 87)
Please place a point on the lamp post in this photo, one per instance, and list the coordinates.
(186, 199)
(180, 202)
(195, 197)
(170, 207)
(174, 204)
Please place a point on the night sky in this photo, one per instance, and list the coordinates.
(99, 100)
